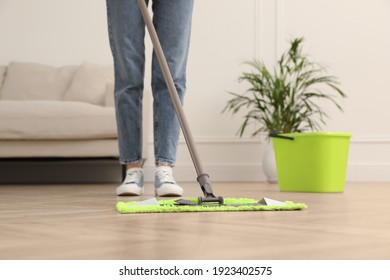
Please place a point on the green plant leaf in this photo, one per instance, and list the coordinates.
(288, 99)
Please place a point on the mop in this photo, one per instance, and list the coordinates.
(209, 202)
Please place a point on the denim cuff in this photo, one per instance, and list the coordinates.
(124, 161)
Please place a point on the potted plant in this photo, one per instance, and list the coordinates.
(286, 99)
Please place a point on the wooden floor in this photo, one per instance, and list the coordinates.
(80, 222)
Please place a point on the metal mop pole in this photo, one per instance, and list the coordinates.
(202, 178)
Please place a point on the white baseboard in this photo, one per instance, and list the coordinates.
(254, 173)
(369, 172)
(224, 173)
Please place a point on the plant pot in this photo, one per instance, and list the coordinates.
(269, 164)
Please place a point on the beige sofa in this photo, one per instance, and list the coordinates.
(57, 112)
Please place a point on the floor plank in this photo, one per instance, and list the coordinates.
(80, 222)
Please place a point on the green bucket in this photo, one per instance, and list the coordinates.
(311, 162)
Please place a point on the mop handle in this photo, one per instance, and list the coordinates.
(171, 86)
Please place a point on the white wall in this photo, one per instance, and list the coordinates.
(352, 37)
(54, 32)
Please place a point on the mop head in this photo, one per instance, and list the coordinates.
(169, 206)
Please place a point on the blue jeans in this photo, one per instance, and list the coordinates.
(126, 28)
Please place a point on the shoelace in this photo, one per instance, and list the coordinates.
(133, 177)
(165, 176)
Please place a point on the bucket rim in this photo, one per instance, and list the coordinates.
(311, 134)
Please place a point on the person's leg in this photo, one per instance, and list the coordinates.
(172, 20)
(126, 30)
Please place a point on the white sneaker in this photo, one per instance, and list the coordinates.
(133, 185)
(164, 183)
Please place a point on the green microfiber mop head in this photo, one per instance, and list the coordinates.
(168, 206)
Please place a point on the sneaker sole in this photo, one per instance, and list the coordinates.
(129, 190)
(169, 190)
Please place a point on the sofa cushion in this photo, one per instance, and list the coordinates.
(55, 120)
(32, 81)
(2, 74)
(109, 95)
(89, 83)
